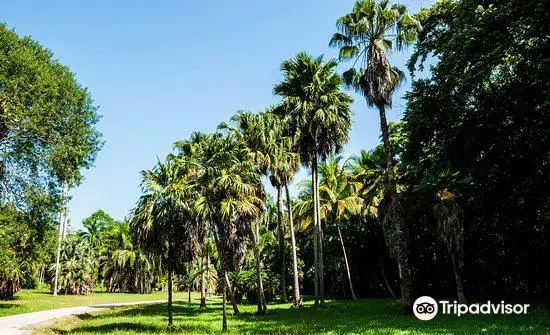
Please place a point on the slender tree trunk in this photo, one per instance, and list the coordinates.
(392, 292)
(208, 272)
(402, 245)
(459, 287)
(281, 233)
(189, 293)
(315, 234)
(297, 297)
(65, 204)
(42, 268)
(231, 294)
(346, 260)
(224, 313)
(59, 241)
(319, 237)
(262, 306)
(203, 281)
(170, 286)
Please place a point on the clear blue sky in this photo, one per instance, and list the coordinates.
(159, 70)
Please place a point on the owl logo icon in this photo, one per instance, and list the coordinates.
(425, 308)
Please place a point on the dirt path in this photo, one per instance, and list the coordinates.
(17, 324)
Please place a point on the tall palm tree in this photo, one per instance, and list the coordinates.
(319, 112)
(262, 134)
(366, 35)
(187, 162)
(339, 194)
(162, 223)
(450, 228)
(338, 198)
(288, 165)
(229, 199)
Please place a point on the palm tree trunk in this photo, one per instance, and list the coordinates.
(224, 298)
(208, 271)
(315, 234)
(320, 270)
(346, 260)
(402, 245)
(203, 281)
(42, 268)
(170, 321)
(459, 287)
(262, 306)
(281, 233)
(297, 298)
(231, 295)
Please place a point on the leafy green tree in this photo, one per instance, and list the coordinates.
(366, 35)
(47, 124)
(319, 113)
(47, 119)
(27, 237)
(95, 224)
(482, 109)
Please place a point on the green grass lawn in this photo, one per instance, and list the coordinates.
(27, 301)
(372, 316)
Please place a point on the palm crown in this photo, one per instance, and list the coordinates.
(366, 35)
(312, 99)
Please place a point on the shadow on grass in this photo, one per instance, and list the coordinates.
(179, 308)
(5, 306)
(372, 316)
(384, 316)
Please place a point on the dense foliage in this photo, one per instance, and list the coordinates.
(47, 135)
(478, 125)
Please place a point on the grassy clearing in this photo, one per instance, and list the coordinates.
(372, 316)
(27, 301)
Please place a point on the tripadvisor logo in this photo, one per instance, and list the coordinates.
(426, 308)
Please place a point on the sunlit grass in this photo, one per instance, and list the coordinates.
(27, 301)
(372, 316)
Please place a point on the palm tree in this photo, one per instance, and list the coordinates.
(162, 223)
(367, 34)
(319, 112)
(450, 228)
(262, 134)
(338, 197)
(124, 266)
(77, 266)
(186, 162)
(229, 199)
(289, 164)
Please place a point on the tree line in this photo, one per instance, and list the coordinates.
(452, 202)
